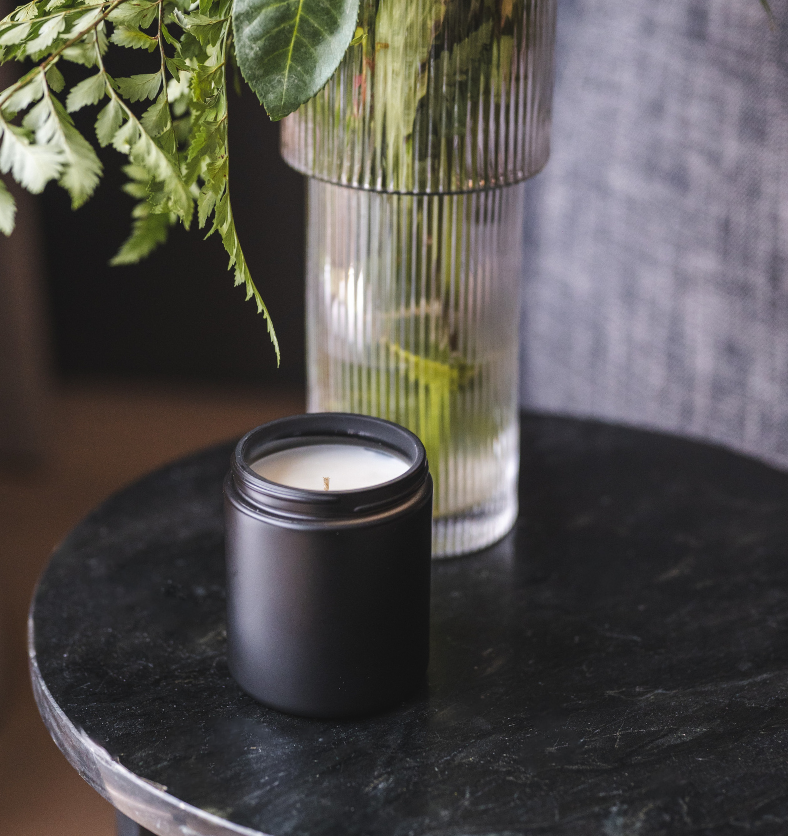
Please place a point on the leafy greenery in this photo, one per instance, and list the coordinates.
(175, 140)
(287, 50)
(171, 122)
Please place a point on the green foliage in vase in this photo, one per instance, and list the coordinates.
(170, 121)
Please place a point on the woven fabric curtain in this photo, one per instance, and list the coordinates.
(655, 287)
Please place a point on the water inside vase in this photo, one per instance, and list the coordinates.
(412, 315)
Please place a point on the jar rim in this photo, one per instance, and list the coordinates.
(284, 500)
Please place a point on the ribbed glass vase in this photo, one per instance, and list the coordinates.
(436, 96)
(412, 315)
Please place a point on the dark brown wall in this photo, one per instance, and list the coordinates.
(177, 314)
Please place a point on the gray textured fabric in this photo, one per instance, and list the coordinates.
(656, 281)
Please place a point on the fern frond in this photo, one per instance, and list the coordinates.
(177, 149)
(7, 210)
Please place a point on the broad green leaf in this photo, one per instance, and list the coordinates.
(139, 87)
(109, 122)
(32, 166)
(133, 38)
(7, 210)
(156, 118)
(90, 91)
(288, 49)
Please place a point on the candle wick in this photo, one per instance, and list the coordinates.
(325, 483)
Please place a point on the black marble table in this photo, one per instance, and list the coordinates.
(617, 665)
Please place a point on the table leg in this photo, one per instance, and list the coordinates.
(124, 826)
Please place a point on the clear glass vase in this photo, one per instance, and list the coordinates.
(412, 315)
(435, 96)
(414, 149)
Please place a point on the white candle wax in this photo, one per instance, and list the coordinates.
(335, 467)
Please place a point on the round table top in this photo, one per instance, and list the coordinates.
(617, 665)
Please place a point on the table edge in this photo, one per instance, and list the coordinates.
(147, 803)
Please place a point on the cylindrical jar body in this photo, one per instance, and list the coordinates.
(437, 96)
(327, 607)
(413, 315)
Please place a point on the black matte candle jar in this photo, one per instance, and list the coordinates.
(328, 590)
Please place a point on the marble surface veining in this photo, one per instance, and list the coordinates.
(617, 665)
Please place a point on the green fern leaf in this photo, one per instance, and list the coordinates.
(168, 142)
(136, 14)
(139, 87)
(108, 123)
(7, 210)
(81, 167)
(169, 38)
(15, 34)
(124, 139)
(142, 150)
(88, 92)
(225, 224)
(176, 66)
(29, 93)
(133, 38)
(46, 35)
(156, 118)
(178, 149)
(55, 79)
(82, 170)
(207, 30)
(147, 233)
(205, 204)
(146, 153)
(32, 166)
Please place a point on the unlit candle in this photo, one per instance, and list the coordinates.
(341, 467)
